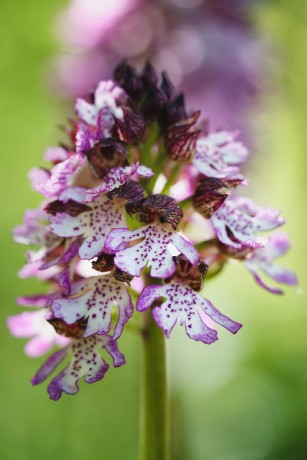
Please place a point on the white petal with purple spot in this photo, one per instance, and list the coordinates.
(238, 220)
(85, 362)
(152, 251)
(263, 259)
(94, 225)
(61, 177)
(94, 299)
(115, 178)
(219, 155)
(183, 304)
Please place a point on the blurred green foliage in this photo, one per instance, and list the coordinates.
(244, 398)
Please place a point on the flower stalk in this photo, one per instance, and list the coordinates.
(154, 403)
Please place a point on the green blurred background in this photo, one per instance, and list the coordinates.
(244, 398)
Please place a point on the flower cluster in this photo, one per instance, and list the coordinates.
(114, 225)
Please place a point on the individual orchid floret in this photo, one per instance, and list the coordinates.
(238, 220)
(211, 193)
(163, 215)
(263, 260)
(94, 299)
(53, 250)
(108, 99)
(153, 251)
(184, 304)
(34, 325)
(94, 225)
(220, 155)
(85, 362)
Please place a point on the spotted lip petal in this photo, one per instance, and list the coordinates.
(182, 303)
(242, 219)
(94, 299)
(152, 251)
(94, 225)
(85, 362)
(262, 260)
(115, 178)
(220, 155)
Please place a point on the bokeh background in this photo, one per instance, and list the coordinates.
(244, 398)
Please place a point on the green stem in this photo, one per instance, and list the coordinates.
(206, 244)
(185, 203)
(154, 404)
(171, 178)
(157, 166)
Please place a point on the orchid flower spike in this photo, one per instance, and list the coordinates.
(110, 219)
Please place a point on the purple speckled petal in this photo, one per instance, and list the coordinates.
(117, 357)
(84, 138)
(152, 251)
(278, 245)
(263, 260)
(115, 178)
(86, 112)
(267, 287)
(279, 274)
(219, 155)
(144, 171)
(183, 303)
(186, 248)
(109, 94)
(105, 123)
(73, 193)
(94, 225)
(241, 218)
(107, 97)
(67, 257)
(85, 362)
(64, 280)
(61, 176)
(49, 366)
(94, 298)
